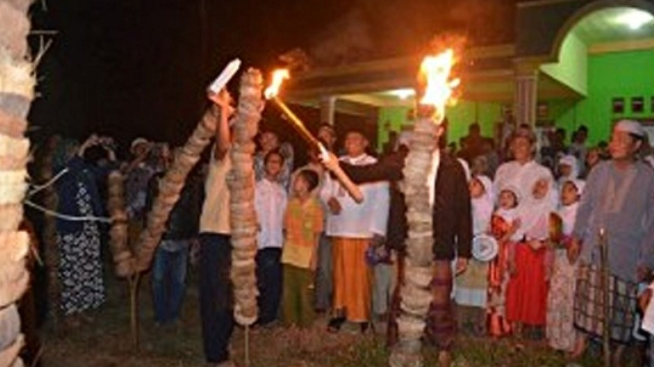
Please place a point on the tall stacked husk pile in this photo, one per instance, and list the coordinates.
(169, 191)
(124, 262)
(416, 292)
(243, 219)
(16, 93)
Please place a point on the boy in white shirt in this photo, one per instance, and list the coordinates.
(270, 200)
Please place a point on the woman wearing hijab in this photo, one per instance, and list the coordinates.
(80, 264)
(471, 286)
(561, 334)
(526, 295)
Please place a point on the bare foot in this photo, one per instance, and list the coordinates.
(444, 359)
(580, 349)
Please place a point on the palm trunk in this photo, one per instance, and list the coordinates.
(16, 93)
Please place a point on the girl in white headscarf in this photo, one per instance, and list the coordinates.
(504, 226)
(471, 286)
(560, 331)
(568, 169)
(526, 294)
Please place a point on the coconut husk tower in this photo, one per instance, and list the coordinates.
(243, 220)
(169, 191)
(416, 290)
(17, 83)
(131, 260)
(241, 185)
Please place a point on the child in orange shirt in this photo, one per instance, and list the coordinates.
(303, 222)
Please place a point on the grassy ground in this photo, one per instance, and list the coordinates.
(106, 341)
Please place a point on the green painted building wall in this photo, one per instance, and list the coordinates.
(572, 68)
(612, 75)
(460, 117)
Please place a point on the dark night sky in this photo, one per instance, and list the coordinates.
(139, 67)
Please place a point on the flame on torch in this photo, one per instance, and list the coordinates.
(272, 93)
(435, 74)
(278, 78)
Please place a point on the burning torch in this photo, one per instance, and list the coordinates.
(272, 93)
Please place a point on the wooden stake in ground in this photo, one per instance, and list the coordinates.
(49, 199)
(170, 188)
(17, 83)
(243, 220)
(606, 297)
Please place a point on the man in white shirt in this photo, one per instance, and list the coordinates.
(353, 228)
(216, 298)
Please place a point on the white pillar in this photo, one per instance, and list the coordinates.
(327, 109)
(526, 96)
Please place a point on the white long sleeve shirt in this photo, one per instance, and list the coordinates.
(270, 200)
(358, 220)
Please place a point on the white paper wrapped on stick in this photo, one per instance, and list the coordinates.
(225, 76)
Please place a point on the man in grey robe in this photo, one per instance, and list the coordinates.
(618, 200)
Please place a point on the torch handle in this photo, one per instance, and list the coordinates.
(348, 185)
(297, 123)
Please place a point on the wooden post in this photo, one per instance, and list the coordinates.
(606, 297)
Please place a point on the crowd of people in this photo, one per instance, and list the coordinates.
(321, 252)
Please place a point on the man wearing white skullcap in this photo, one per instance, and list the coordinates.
(618, 200)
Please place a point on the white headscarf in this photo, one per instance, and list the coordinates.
(482, 207)
(534, 213)
(569, 160)
(568, 213)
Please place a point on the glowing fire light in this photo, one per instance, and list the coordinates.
(272, 92)
(435, 73)
(278, 78)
